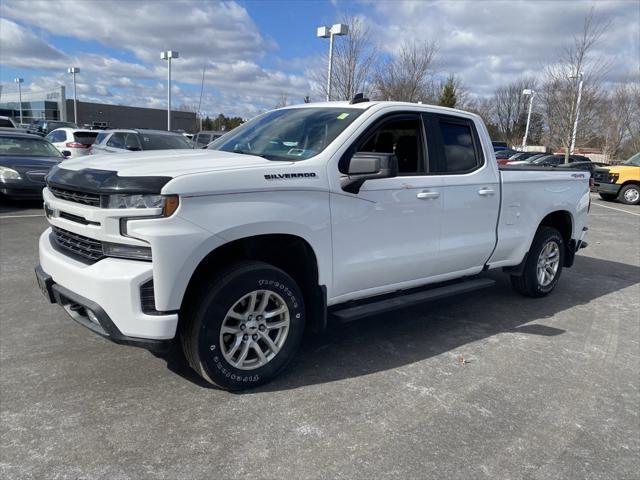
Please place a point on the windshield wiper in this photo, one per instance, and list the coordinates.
(262, 155)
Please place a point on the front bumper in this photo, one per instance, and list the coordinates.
(110, 289)
(22, 188)
(610, 188)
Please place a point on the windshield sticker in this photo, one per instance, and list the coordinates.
(342, 116)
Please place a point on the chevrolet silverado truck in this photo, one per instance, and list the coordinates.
(333, 210)
(621, 182)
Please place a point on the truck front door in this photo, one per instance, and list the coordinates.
(388, 233)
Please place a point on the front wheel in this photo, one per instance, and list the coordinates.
(630, 194)
(246, 327)
(543, 266)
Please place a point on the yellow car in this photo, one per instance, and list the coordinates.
(621, 182)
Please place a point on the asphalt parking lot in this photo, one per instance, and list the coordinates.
(492, 385)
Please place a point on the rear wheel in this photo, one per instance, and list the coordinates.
(543, 266)
(246, 326)
(608, 196)
(630, 194)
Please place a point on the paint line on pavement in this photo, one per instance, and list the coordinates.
(616, 209)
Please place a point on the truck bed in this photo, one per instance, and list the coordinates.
(528, 195)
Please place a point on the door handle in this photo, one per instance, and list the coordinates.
(485, 192)
(427, 195)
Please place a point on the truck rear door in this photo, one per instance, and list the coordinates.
(470, 189)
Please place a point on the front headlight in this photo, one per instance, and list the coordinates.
(614, 177)
(168, 203)
(7, 173)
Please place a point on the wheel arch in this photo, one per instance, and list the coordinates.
(289, 252)
(562, 221)
(630, 182)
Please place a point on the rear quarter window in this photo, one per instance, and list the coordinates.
(458, 144)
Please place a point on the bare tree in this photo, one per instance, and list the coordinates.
(353, 58)
(616, 114)
(483, 106)
(408, 75)
(560, 90)
(283, 101)
(510, 109)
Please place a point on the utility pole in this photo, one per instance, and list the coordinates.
(575, 122)
(168, 55)
(532, 93)
(338, 29)
(19, 81)
(73, 71)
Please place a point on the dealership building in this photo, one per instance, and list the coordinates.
(54, 105)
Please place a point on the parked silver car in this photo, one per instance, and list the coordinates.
(134, 140)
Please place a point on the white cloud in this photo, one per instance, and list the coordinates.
(220, 35)
(489, 42)
(486, 43)
(23, 48)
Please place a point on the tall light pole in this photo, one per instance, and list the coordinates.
(338, 29)
(575, 122)
(168, 55)
(73, 71)
(19, 81)
(532, 93)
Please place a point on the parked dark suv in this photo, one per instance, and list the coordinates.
(135, 140)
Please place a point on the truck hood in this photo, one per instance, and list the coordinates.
(622, 168)
(168, 163)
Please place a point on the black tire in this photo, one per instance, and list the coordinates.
(528, 284)
(200, 330)
(629, 189)
(608, 196)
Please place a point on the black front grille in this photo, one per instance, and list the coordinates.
(601, 176)
(76, 196)
(78, 245)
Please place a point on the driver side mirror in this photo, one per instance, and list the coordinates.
(66, 153)
(365, 166)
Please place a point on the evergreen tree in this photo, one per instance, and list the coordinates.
(448, 93)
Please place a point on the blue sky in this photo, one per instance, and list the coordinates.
(256, 52)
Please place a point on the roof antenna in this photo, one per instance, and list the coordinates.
(359, 98)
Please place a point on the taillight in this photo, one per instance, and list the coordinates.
(76, 145)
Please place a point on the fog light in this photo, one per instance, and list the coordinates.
(133, 252)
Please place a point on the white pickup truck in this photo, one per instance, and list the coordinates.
(334, 209)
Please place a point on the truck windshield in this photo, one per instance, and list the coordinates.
(288, 134)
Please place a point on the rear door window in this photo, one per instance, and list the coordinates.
(5, 122)
(455, 143)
